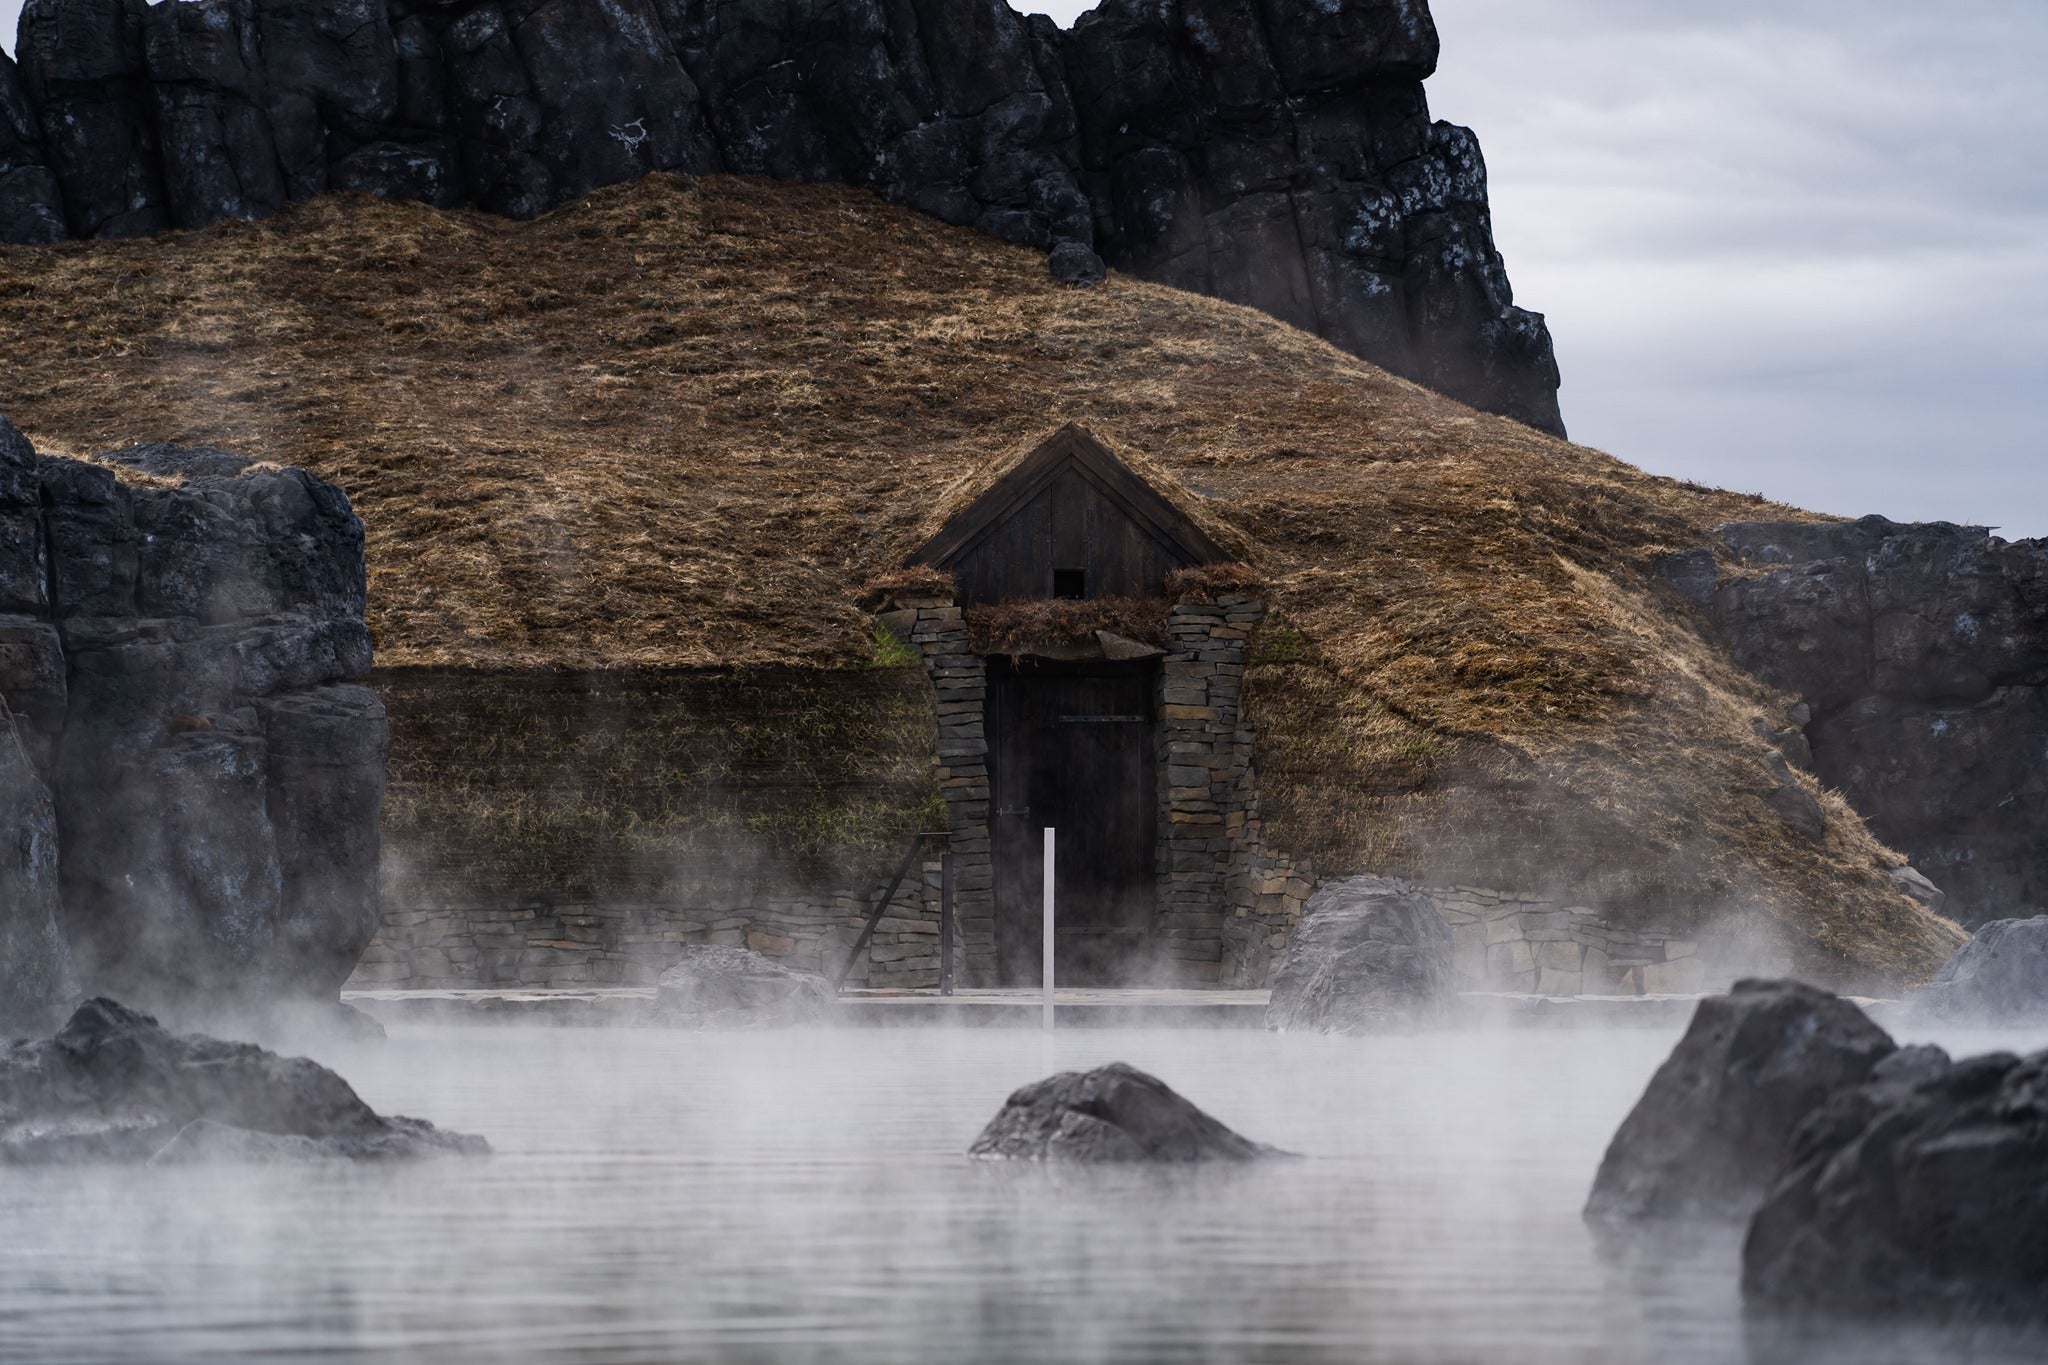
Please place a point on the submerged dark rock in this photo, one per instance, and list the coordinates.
(1279, 155)
(113, 1085)
(182, 654)
(1998, 977)
(722, 987)
(1369, 953)
(1114, 1113)
(1923, 1191)
(1715, 1127)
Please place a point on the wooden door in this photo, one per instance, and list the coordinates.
(1073, 747)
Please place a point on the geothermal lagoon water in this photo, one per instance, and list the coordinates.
(670, 1196)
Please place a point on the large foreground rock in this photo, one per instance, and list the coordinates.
(114, 1086)
(181, 654)
(1113, 1113)
(1923, 1191)
(720, 987)
(1370, 952)
(1714, 1129)
(1280, 155)
(1998, 977)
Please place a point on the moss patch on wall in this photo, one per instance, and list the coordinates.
(657, 783)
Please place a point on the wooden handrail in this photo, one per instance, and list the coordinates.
(882, 907)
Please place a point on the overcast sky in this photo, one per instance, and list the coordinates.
(1797, 247)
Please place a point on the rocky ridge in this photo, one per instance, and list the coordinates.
(1920, 654)
(194, 770)
(1277, 153)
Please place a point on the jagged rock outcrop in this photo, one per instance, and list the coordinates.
(1369, 953)
(1922, 1191)
(1277, 153)
(35, 962)
(180, 650)
(31, 209)
(1922, 653)
(714, 986)
(1999, 977)
(113, 1085)
(1111, 1114)
(1715, 1127)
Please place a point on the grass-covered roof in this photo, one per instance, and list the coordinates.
(678, 424)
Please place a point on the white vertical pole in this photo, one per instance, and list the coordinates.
(1045, 977)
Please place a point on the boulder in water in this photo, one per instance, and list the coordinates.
(1714, 1128)
(721, 987)
(1113, 1113)
(113, 1085)
(2000, 976)
(1922, 1191)
(1369, 952)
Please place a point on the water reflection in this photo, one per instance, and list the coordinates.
(802, 1196)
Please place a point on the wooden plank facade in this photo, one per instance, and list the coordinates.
(1075, 745)
(1069, 520)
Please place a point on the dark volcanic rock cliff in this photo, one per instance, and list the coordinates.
(1277, 153)
(197, 774)
(1922, 653)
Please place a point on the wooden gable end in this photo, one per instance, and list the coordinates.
(1069, 520)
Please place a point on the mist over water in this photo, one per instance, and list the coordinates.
(803, 1196)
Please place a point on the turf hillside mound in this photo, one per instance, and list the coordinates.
(678, 424)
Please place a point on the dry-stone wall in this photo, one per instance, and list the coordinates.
(1227, 903)
(1524, 944)
(1268, 892)
(613, 943)
(938, 630)
(1205, 777)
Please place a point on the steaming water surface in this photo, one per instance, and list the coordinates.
(802, 1196)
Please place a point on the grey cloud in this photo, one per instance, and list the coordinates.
(1797, 248)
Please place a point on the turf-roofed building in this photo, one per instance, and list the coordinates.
(645, 483)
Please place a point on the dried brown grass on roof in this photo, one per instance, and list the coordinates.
(672, 424)
(912, 581)
(1015, 628)
(1207, 582)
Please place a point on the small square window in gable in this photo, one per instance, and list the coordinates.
(1072, 517)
